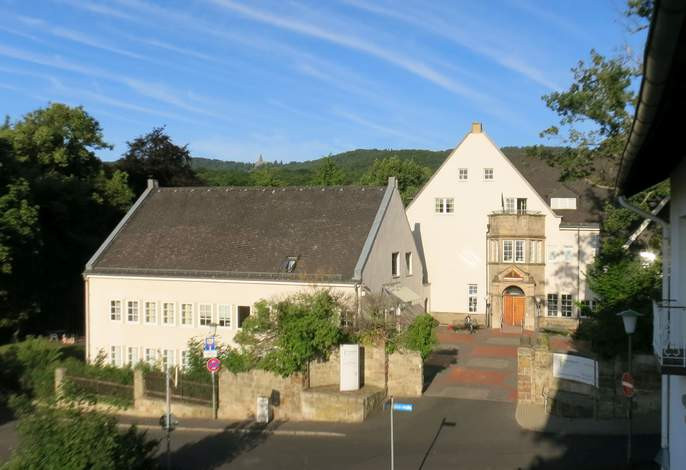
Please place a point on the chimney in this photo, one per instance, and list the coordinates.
(152, 183)
(476, 128)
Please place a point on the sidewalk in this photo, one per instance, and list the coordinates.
(209, 426)
(533, 418)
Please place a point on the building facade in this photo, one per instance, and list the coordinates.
(184, 261)
(503, 239)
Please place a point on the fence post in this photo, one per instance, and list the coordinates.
(60, 374)
(138, 386)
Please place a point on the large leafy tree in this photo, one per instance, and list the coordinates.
(155, 155)
(59, 201)
(410, 175)
(328, 173)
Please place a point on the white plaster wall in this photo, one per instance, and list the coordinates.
(455, 244)
(394, 236)
(677, 384)
(104, 333)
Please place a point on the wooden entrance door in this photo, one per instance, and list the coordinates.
(513, 310)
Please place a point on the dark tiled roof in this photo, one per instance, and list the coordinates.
(245, 232)
(546, 181)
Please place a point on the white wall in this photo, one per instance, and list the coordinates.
(102, 332)
(677, 384)
(394, 236)
(455, 244)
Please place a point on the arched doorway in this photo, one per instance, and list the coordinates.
(513, 306)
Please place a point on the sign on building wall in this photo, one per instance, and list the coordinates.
(576, 368)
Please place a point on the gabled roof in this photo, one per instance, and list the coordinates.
(237, 232)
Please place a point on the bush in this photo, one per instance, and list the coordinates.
(66, 436)
(420, 335)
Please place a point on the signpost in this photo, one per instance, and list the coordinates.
(576, 368)
(213, 365)
(397, 407)
(209, 348)
(628, 384)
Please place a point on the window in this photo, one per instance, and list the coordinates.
(472, 291)
(587, 307)
(186, 314)
(595, 243)
(243, 312)
(132, 311)
(566, 305)
(115, 355)
(536, 251)
(507, 250)
(488, 174)
(552, 305)
(569, 253)
(185, 360)
(519, 251)
(395, 264)
(563, 203)
(408, 263)
(167, 358)
(150, 312)
(509, 205)
(168, 315)
(553, 254)
(150, 355)
(445, 205)
(463, 174)
(132, 356)
(521, 205)
(224, 314)
(115, 310)
(205, 312)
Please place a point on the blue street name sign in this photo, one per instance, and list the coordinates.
(403, 406)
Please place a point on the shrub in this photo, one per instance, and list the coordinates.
(420, 335)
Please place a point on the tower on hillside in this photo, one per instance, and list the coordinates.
(259, 162)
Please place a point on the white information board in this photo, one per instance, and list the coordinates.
(576, 368)
(350, 367)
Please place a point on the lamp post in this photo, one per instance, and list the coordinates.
(629, 318)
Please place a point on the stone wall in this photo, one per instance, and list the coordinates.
(452, 318)
(238, 394)
(326, 372)
(536, 384)
(558, 323)
(374, 365)
(405, 374)
(328, 404)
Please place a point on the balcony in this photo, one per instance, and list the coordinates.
(669, 338)
(516, 224)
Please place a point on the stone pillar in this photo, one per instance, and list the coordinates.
(138, 386)
(524, 375)
(60, 374)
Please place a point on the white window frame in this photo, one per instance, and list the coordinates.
(117, 312)
(522, 205)
(472, 295)
(115, 356)
(238, 323)
(150, 356)
(228, 318)
(517, 245)
(163, 312)
(567, 305)
(185, 359)
(137, 311)
(408, 263)
(462, 174)
(166, 355)
(132, 356)
(201, 322)
(563, 203)
(510, 205)
(395, 264)
(444, 205)
(145, 313)
(488, 174)
(552, 312)
(507, 259)
(181, 316)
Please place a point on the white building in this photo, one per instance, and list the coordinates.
(503, 239)
(185, 258)
(654, 153)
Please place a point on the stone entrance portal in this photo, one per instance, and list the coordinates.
(513, 306)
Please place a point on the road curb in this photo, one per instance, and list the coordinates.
(275, 432)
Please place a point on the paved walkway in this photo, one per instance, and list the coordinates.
(479, 366)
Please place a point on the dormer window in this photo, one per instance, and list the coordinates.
(563, 203)
(289, 264)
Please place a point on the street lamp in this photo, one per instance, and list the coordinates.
(629, 318)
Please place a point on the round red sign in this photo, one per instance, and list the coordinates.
(213, 364)
(628, 384)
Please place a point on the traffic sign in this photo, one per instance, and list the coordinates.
(403, 406)
(209, 348)
(628, 384)
(173, 422)
(213, 364)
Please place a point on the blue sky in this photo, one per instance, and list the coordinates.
(295, 80)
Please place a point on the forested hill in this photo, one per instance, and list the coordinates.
(354, 164)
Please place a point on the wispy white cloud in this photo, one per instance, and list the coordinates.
(458, 35)
(101, 9)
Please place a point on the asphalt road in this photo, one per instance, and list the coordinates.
(441, 433)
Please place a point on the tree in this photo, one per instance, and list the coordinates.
(328, 173)
(154, 155)
(410, 175)
(266, 175)
(65, 436)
